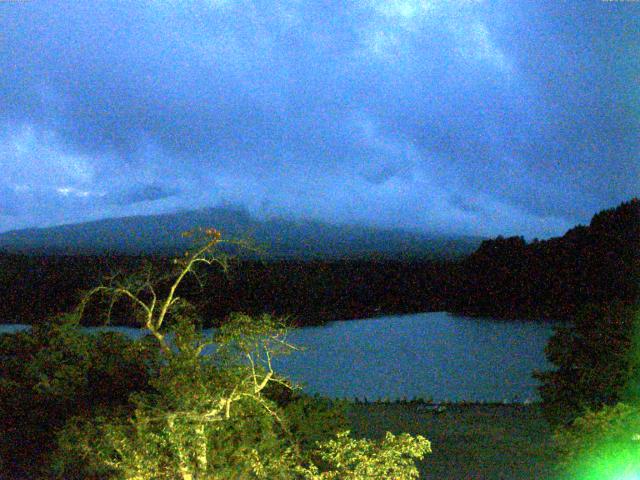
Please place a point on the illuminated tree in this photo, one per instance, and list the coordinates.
(219, 414)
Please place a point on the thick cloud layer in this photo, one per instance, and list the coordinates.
(494, 117)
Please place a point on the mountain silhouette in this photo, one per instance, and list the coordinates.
(280, 238)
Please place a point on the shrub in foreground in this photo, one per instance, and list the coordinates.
(53, 372)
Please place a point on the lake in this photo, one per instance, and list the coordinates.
(427, 355)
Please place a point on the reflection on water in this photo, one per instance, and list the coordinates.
(426, 355)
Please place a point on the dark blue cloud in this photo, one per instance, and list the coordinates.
(465, 116)
(144, 193)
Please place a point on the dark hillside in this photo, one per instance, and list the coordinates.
(281, 238)
(509, 278)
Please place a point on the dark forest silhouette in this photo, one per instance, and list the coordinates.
(598, 263)
(504, 278)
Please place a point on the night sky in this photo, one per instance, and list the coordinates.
(468, 117)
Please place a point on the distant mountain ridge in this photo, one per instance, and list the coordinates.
(160, 234)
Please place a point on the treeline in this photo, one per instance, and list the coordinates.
(553, 279)
(504, 278)
(310, 292)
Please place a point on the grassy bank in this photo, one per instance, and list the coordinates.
(484, 442)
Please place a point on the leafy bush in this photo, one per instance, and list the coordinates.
(348, 458)
(205, 416)
(53, 372)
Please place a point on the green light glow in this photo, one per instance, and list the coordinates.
(612, 465)
(603, 445)
(630, 476)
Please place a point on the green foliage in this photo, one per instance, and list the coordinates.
(347, 458)
(593, 360)
(79, 443)
(191, 407)
(53, 372)
(208, 417)
(601, 445)
(314, 419)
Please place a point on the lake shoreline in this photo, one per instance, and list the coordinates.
(360, 315)
(434, 356)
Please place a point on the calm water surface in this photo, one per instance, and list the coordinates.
(428, 355)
